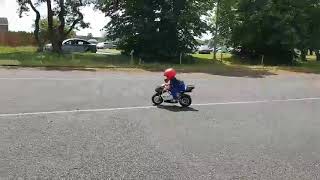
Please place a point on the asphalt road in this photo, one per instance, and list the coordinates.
(101, 125)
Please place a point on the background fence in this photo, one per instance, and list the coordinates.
(17, 39)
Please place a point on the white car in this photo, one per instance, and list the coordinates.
(106, 45)
(204, 49)
(75, 45)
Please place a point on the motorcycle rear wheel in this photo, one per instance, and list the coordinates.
(185, 100)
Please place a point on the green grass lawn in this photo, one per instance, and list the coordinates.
(110, 51)
(311, 66)
(27, 56)
(225, 56)
(225, 65)
(6, 49)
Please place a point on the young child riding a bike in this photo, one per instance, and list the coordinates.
(173, 85)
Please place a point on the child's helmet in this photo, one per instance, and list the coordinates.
(170, 73)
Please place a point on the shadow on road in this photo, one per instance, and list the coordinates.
(213, 69)
(177, 108)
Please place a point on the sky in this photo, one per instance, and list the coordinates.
(9, 9)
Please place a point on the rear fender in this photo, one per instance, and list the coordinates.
(189, 88)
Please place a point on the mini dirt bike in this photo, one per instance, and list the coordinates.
(164, 96)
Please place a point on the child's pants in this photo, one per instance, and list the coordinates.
(175, 90)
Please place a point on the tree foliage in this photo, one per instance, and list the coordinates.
(166, 28)
(156, 28)
(24, 6)
(222, 22)
(66, 12)
(69, 15)
(44, 34)
(273, 28)
(314, 27)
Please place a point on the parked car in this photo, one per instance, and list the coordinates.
(223, 49)
(106, 45)
(75, 45)
(204, 50)
(297, 52)
(230, 49)
(93, 41)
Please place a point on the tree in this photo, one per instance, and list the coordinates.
(222, 20)
(24, 6)
(156, 28)
(66, 11)
(69, 14)
(44, 34)
(273, 28)
(216, 29)
(307, 25)
(267, 27)
(314, 26)
(89, 36)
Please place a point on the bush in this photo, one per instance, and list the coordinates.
(272, 56)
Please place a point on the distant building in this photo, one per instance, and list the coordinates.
(4, 26)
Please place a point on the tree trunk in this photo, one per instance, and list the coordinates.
(318, 55)
(303, 55)
(61, 34)
(37, 27)
(51, 30)
(215, 40)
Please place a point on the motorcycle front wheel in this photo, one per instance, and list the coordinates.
(157, 99)
(185, 100)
